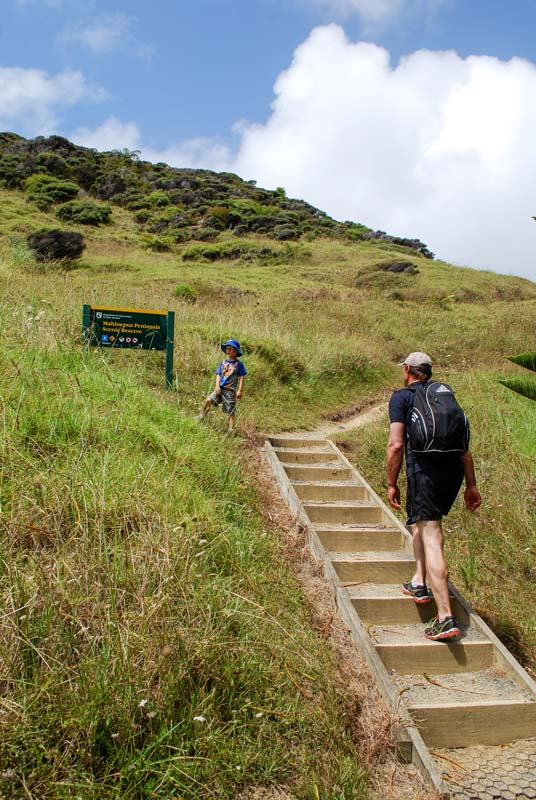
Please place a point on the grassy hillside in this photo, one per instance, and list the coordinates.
(154, 641)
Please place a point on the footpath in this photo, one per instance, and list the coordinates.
(466, 709)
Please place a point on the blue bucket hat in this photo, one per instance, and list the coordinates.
(232, 343)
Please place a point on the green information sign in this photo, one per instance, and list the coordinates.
(131, 328)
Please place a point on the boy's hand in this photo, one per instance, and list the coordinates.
(218, 390)
(238, 395)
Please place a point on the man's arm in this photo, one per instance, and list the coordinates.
(471, 495)
(395, 456)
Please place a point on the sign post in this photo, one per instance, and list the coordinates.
(169, 348)
(131, 328)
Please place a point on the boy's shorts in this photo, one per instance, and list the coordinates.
(227, 400)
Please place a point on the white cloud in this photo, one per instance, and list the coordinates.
(116, 135)
(371, 11)
(111, 135)
(31, 98)
(438, 147)
(376, 14)
(109, 33)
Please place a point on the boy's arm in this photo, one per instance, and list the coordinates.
(218, 379)
(240, 387)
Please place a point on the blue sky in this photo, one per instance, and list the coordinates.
(330, 98)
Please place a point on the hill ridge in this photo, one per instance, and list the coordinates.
(180, 204)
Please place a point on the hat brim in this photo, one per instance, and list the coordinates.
(238, 351)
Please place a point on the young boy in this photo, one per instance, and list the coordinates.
(229, 383)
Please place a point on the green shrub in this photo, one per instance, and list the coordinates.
(205, 234)
(44, 190)
(159, 199)
(527, 360)
(247, 251)
(13, 171)
(522, 386)
(158, 244)
(56, 245)
(142, 216)
(84, 212)
(54, 164)
(186, 292)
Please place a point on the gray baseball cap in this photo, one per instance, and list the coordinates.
(417, 360)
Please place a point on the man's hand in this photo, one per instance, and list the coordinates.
(393, 493)
(472, 498)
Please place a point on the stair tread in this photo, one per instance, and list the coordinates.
(411, 634)
(468, 688)
(350, 527)
(314, 450)
(348, 482)
(373, 555)
(328, 463)
(341, 503)
(382, 591)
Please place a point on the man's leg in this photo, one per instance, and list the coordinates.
(419, 576)
(436, 569)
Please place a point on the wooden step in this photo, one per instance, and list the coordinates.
(343, 512)
(437, 657)
(304, 472)
(470, 723)
(329, 491)
(348, 539)
(295, 442)
(373, 567)
(385, 603)
(326, 457)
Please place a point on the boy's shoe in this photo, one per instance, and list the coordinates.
(442, 630)
(200, 418)
(419, 593)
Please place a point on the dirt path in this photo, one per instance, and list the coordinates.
(359, 420)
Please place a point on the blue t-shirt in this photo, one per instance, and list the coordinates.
(230, 370)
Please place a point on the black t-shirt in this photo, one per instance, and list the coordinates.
(400, 408)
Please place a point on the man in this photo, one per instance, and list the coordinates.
(433, 482)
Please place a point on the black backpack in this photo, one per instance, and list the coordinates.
(437, 423)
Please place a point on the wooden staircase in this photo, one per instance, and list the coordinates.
(468, 693)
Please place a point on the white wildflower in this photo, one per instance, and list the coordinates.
(200, 718)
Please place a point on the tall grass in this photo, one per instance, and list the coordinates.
(152, 642)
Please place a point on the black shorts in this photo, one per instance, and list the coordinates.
(433, 489)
